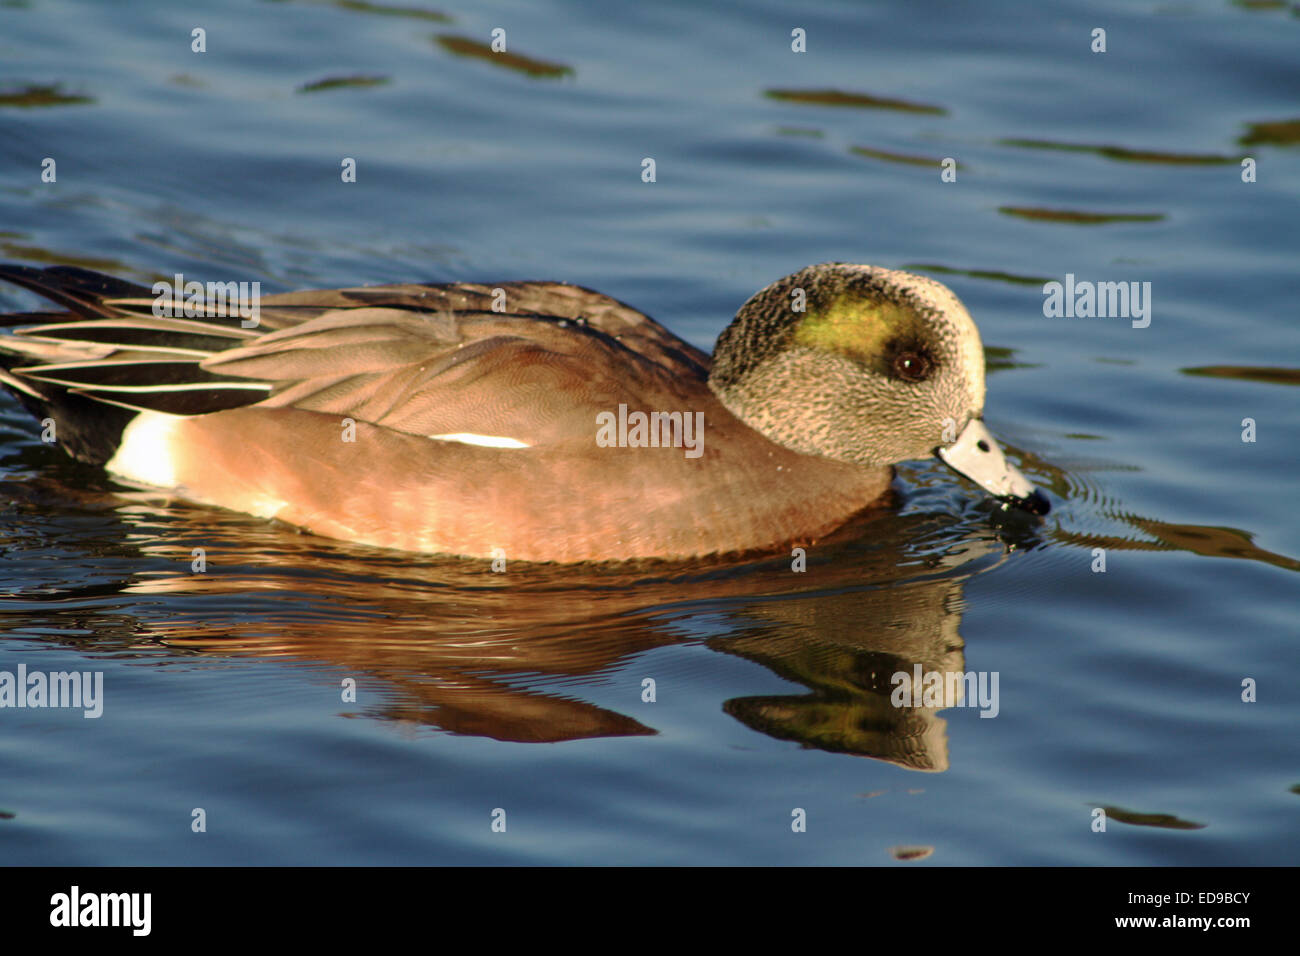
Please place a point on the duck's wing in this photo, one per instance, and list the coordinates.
(490, 378)
(430, 360)
(633, 328)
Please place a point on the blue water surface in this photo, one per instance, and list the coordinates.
(520, 696)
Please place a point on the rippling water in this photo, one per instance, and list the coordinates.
(476, 691)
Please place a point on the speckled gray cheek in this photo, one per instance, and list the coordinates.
(820, 403)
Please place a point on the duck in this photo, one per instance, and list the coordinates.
(534, 421)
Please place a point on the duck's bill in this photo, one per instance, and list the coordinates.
(977, 455)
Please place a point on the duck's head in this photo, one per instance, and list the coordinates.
(865, 365)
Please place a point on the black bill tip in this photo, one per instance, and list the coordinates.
(1035, 504)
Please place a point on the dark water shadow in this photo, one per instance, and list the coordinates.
(1124, 154)
(904, 159)
(35, 95)
(1076, 217)
(1164, 821)
(1273, 133)
(528, 65)
(842, 98)
(357, 81)
(1263, 374)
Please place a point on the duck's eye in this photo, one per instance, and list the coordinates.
(913, 366)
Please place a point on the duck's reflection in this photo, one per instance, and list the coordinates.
(846, 648)
(453, 645)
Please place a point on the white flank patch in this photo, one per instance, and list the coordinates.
(145, 454)
(486, 441)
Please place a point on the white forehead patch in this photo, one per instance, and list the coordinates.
(485, 441)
